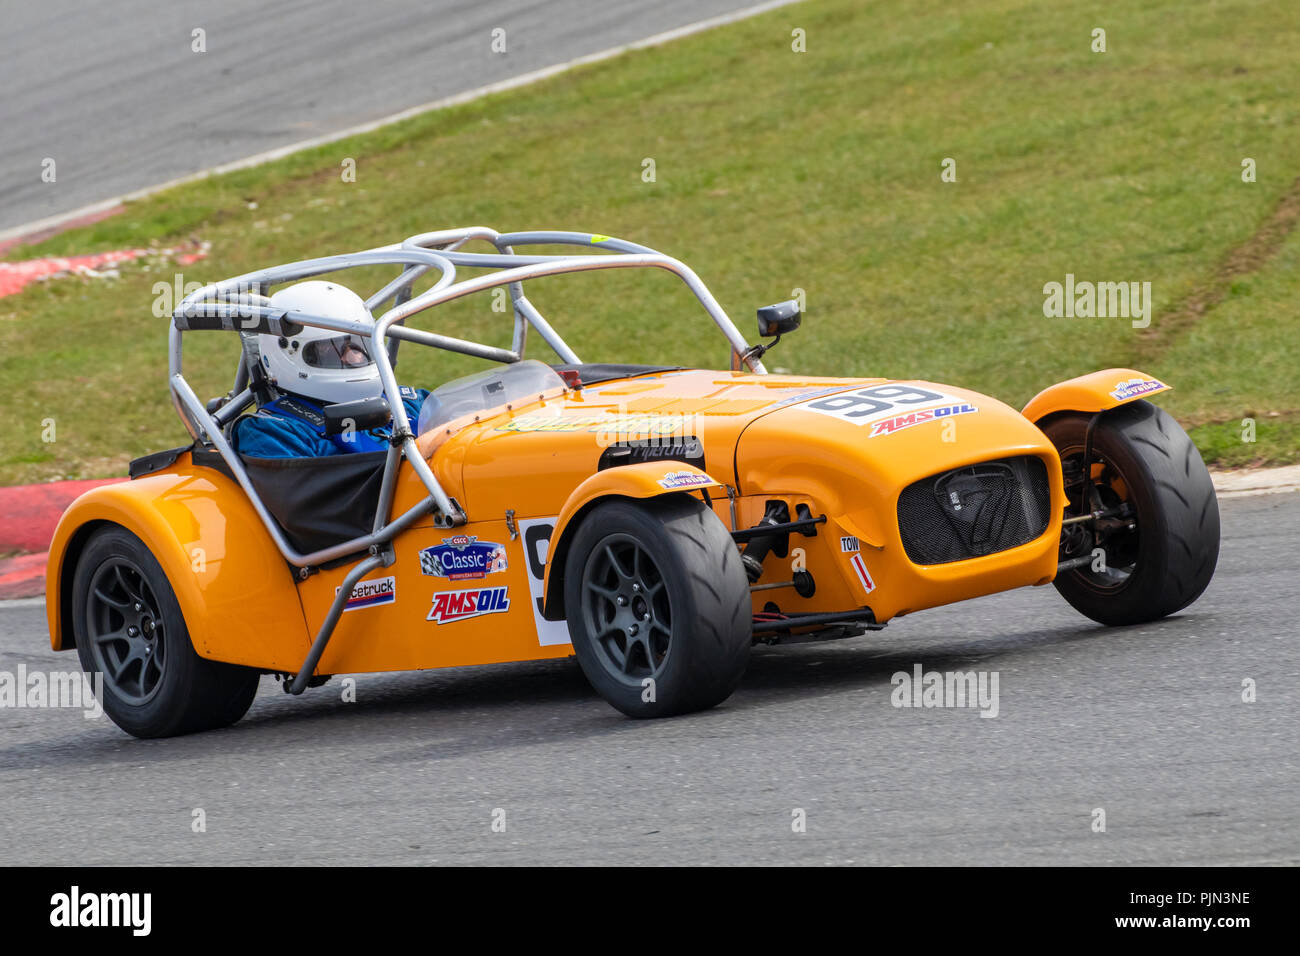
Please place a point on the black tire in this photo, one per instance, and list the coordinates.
(1142, 456)
(129, 628)
(692, 622)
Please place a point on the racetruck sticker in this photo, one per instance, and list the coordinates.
(684, 479)
(1134, 387)
(463, 557)
(889, 408)
(450, 606)
(370, 594)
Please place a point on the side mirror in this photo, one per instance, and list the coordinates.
(361, 415)
(779, 319)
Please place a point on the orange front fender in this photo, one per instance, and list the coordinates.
(1094, 392)
(237, 593)
(642, 480)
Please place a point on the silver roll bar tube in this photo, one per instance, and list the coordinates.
(240, 304)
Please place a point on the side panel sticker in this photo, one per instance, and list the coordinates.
(535, 534)
(463, 557)
(449, 606)
(371, 594)
(864, 576)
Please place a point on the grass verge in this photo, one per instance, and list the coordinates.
(778, 170)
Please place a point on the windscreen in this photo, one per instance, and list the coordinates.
(475, 394)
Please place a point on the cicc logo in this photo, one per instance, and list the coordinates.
(463, 557)
(449, 606)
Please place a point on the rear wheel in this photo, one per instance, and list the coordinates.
(1156, 550)
(131, 633)
(658, 606)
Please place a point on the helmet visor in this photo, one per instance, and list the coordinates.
(342, 351)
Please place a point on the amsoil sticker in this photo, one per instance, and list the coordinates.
(899, 422)
(860, 568)
(450, 606)
(371, 594)
(463, 557)
(684, 479)
(1134, 387)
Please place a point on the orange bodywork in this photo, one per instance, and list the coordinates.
(526, 477)
(1094, 392)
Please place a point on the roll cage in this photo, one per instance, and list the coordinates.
(240, 304)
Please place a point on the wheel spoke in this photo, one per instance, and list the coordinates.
(120, 666)
(131, 597)
(617, 564)
(609, 594)
(137, 654)
(120, 603)
(149, 665)
(118, 635)
(647, 645)
(610, 639)
(628, 658)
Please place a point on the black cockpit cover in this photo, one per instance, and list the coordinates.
(319, 502)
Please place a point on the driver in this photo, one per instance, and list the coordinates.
(313, 369)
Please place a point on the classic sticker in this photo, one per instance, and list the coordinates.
(371, 594)
(463, 557)
(1135, 387)
(450, 606)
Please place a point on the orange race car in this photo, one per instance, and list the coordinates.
(656, 522)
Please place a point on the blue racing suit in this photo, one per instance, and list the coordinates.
(294, 427)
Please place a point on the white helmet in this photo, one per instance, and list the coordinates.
(319, 363)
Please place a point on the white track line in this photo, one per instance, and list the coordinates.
(454, 100)
(1256, 481)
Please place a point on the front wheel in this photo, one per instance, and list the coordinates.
(658, 606)
(130, 632)
(1156, 549)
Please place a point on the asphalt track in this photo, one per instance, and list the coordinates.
(1147, 723)
(115, 95)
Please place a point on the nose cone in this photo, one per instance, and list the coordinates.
(952, 493)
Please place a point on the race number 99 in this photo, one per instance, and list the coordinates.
(868, 404)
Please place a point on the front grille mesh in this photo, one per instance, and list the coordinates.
(973, 511)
